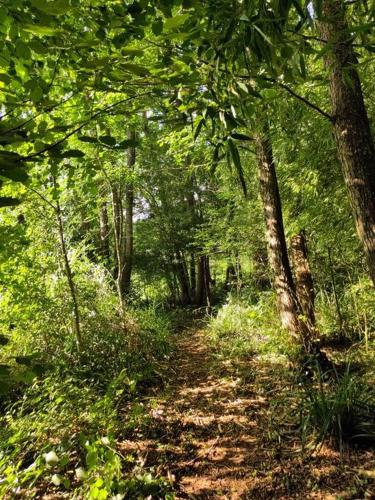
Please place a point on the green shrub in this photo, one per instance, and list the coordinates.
(240, 329)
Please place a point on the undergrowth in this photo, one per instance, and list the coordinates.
(59, 429)
(240, 329)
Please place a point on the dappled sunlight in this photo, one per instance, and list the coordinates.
(209, 432)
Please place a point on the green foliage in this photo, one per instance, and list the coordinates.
(75, 412)
(242, 329)
(340, 411)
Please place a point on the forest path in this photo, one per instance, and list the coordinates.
(209, 433)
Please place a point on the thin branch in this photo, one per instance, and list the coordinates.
(54, 72)
(80, 127)
(306, 101)
(47, 110)
(42, 197)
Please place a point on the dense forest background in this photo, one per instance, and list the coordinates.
(187, 200)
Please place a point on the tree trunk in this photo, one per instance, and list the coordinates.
(118, 236)
(183, 278)
(303, 278)
(277, 248)
(351, 125)
(230, 277)
(70, 279)
(193, 276)
(104, 233)
(203, 295)
(129, 208)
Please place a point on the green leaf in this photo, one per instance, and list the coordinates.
(72, 153)
(87, 138)
(99, 62)
(299, 9)
(237, 163)
(11, 138)
(128, 143)
(4, 371)
(38, 29)
(54, 7)
(241, 137)
(107, 139)
(176, 21)
(24, 360)
(131, 51)
(91, 459)
(136, 69)
(22, 50)
(5, 78)
(16, 174)
(36, 94)
(201, 122)
(8, 201)
(157, 27)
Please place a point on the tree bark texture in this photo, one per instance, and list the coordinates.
(351, 125)
(303, 277)
(277, 248)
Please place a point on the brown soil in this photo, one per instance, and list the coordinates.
(210, 434)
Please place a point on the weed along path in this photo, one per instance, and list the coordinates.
(209, 432)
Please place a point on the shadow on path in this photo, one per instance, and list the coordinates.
(209, 433)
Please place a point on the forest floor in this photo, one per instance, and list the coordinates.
(209, 432)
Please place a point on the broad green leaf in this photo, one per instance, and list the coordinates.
(201, 122)
(91, 459)
(176, 21)
(128, 143)
(237, 163)
(5, 78)
(16, 174)
(8, 201)
(38, 29)
(157, 27)
(72, 153)
(241, 137)
(54, 7)
(11, 138)
(136, 69)
(22, 50)
(131, 51)
(107, 139)
(36, 94)
(87, 138)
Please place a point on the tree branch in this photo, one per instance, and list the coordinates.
(80, 127)
(306, 101)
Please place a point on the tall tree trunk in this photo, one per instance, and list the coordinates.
(351, 125)
(129, 208)
(203, 295)
(230, 277)
(303, 278)
(104, 233)
(70, 279)
(193, 276)
(118, 236)
(277, 248)
(183, 277)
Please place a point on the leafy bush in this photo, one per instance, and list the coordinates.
(240, 329)
(357, 310)
(66, 408)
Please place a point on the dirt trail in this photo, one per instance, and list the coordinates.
(208, 431)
